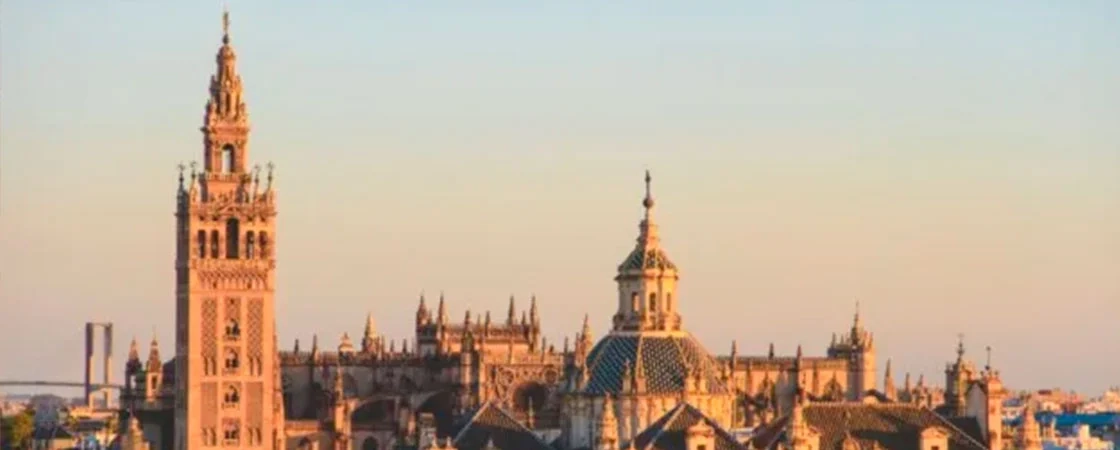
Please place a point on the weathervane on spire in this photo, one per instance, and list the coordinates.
(960, 345)
(225, 23)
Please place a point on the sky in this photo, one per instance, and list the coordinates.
(952, 166)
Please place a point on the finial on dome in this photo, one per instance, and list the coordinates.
(648, 201)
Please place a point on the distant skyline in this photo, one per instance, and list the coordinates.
(952, 166)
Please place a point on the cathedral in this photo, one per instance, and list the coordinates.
(479, 382)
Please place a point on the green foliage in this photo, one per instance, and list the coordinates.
(17, 429)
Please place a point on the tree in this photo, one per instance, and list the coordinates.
(17, 429)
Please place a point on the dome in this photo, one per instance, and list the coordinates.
(665, 361)
(642, 258)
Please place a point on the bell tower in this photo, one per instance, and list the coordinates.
(225, 355)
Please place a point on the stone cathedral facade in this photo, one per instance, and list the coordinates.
(472, 382)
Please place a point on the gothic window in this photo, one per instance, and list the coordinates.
(201, 243)
(231, 397)
(233, 234)
(250, 243)
(232, 362)
(233, 329)
(227, 159)
(264, 244)
(652, 302)
(214, 239)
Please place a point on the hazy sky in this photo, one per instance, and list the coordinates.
(954, 166)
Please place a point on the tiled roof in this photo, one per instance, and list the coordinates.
(50, 433)
(890, 426)
(668, 432)
(665, 361)
(642, 258)
(491, 423)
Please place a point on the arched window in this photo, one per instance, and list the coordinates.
(231, 432)
(652, 302)
(214, 240)
(231, 397)
(634, 301)
(669, 301)
(231, 359)
(201, 244)
(250, 244)
(233, 235)
(227, 159)
(233, 329)
(264, 243)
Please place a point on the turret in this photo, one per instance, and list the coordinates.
(133, 365)
(153, 372)
(607, 427)
(1030, 433)
(647, 280)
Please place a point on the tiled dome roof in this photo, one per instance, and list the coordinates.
(665, 360)
(642, 258)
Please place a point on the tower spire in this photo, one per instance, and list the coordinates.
(225, 24)
(648, 237)
(226, 122)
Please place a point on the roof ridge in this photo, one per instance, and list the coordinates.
(470, 421)
(673, 413)
(951, 426)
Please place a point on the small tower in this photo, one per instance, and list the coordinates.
(153, 372)
(647, 280)
(958, 376)
(1030, 433)
(607, 427)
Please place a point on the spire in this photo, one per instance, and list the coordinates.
(511, 317)
(442, 311)
(771, 353)
(133, 351)
(960, 347)
(226, 120)
(648, 237)
(906, 387)
(225, 25)
(534, 317)
(154, 361)
(370, 335)
(422, 314)
(888, 383)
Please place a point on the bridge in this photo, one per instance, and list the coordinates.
(90, 385)
(73, 384)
